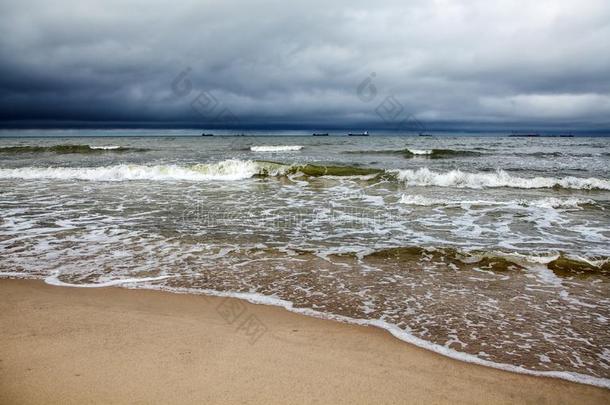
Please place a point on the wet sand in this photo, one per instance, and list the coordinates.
(115, 345)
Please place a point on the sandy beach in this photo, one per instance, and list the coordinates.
(116, 345)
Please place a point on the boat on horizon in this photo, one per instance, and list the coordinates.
(365, 133)
(204, 134)
(317, 134)
(524, 135)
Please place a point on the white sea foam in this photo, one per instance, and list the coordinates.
(226, 170)
(420, 151)
(277, 148)
(17, 274)
(412, 199)
(549, 202)
(499, 178)
(54, 280)
(110, 147)
(552, 202)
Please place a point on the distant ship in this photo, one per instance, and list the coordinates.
(423, 134)
(524, 135)
(316, 134)
(204, 134)
(365, 133)
(536, 135)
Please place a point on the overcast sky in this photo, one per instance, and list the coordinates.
(254, 63)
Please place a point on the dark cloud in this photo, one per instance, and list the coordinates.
(300, 63)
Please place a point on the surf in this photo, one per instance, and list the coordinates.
(277, 148)
(236, 169)
(500, 178)
(68, 149)
(227, 170)
(410, 153)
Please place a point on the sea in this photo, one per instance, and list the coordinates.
(488, 249)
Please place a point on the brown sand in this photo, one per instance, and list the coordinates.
(115, 345)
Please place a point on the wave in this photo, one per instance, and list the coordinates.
(342, 171)
(227, 170)
(110, 147)
(500, 178)
(423, 153)
(439, 153)
(234, 169)
(550, 202)
(68, 149)
(278, 148)
(565, 266)
(560, 264)
(420, 151)
(556, 154)
(542, 154)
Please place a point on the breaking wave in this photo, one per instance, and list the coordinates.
(500, 178)
(234, 169)
(227, 170)
(111, 147)
(279, 148)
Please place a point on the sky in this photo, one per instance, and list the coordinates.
(305, 64)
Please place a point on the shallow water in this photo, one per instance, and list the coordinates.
(462, 242)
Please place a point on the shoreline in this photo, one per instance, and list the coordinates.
(401, 335)
(404, 336)
(62, 344)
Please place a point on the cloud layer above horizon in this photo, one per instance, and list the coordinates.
(289, 63)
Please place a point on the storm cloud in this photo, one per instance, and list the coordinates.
(317, 63)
